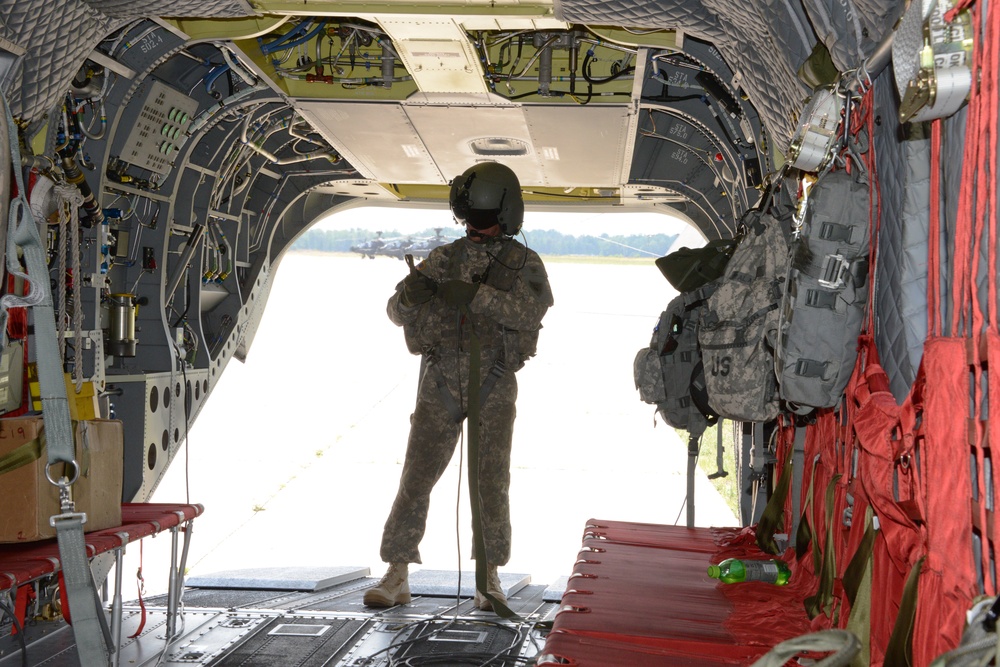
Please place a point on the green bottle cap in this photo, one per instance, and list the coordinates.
(714, 571)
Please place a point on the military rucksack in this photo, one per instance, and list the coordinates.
(690, 268)
(824, 306)
(669, 373)
(739, 327)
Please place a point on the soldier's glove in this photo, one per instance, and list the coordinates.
(457, 292)
(417, 289)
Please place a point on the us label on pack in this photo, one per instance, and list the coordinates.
(739, 328)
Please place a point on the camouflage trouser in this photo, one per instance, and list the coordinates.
(433, 436)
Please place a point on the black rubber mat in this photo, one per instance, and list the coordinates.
(303, 642)
(460, 642)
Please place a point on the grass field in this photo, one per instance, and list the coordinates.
(708, 461)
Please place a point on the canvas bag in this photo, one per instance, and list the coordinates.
(823, 308)
(740, 325)
(669, 373)
(690, 268)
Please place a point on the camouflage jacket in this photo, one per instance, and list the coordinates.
(507, 310)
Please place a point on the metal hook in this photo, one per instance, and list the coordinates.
(866, 84)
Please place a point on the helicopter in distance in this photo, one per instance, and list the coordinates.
(417, 246)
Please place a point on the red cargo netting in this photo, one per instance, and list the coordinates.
(640, 594)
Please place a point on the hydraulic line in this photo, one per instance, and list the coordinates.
(548, 44)
(388, 66)
(281, 45)
(545, 71)
(237, 67)
(574, 52)
(330, 155)
(192, 244)
(94, 214)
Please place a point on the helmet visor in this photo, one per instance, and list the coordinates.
(476, 218)
(466, 213)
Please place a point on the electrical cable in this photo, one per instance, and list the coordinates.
(461, 458)
(588, 59)
(9, 611)
(129, 44)
(670, 98)
(480, 659)
(561, 195)
(395, 643)
(458, 522)
(703, 154)
(121, 36)
(681, 510)
(187, 421)
(496, 258)
(281, 44)
(187, 302)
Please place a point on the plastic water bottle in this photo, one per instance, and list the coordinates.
(734, 571)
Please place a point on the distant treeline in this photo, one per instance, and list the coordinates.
(545, 242)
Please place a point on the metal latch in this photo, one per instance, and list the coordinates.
(835, 268)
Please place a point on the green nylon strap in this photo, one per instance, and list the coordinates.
(450, 404)
(692, 467)
(773, 515)
(822, 601)
(858, 587)
(32, 450)
(899, 649)
(478, 539)
(854, 574)
(804, 539)
(27, 453)
(804, 534)
(841, 643)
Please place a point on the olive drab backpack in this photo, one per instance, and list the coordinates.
(669, 373)
(739, 327)
(824, 305)
(690, 268)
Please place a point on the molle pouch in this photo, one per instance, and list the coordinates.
(668, 373)
(823, 309)
(648, 373)
(520, 346)
(739, 328)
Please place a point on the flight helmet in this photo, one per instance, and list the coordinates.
(487, 194)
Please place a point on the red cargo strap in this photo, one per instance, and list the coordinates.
(24, 595)
(140, 585)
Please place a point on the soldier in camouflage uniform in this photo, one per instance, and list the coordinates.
(489, 285)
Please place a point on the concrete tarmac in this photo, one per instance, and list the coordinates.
(297, 455)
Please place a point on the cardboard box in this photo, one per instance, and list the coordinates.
(28, 499)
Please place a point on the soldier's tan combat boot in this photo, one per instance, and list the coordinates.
(392, 589)
(493, 587)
